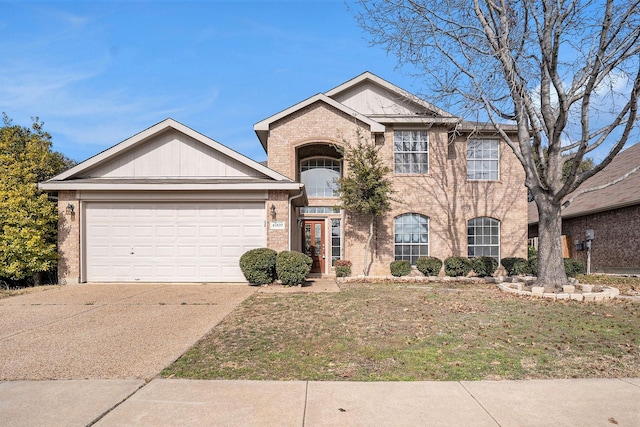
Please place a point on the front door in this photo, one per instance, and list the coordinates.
(313, 243)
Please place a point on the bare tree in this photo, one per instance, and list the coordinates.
(566, 72)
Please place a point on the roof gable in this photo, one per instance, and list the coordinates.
(262, 128)
(169, 150)
(373, 96)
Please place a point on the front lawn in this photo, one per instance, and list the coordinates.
(390, 332)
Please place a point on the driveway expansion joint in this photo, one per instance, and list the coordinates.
(124, 399)
(479, 403)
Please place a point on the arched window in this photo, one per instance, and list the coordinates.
(319, 175)
(483, 237)
(411, 237)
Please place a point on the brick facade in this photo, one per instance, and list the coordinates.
(617, 233)
(443, 195)
(278, 239)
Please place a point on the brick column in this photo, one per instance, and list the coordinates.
(278, 239)
(68, 238)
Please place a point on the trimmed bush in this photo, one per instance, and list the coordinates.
(573, 267)
(292, 267)
(515, 266)
(343, 267)
(400, 268)
(259, 266)
(456, 266)
(484, 266)
(533, 265)
(429, 266)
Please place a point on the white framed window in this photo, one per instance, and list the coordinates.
(319, 176)
(483, 159)
(336, 246)
(483, 237)
(320, 210)
(411, 237)
(411, 151)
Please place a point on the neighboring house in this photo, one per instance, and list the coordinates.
(170, 204)
(612, 212)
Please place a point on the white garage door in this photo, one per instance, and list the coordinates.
(170, 242)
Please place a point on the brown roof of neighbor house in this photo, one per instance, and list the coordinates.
(621, 194)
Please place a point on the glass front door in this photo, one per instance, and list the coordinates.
(313, 243)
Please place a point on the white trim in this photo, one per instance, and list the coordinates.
(111, 186)
(172, 196)
(82, 242)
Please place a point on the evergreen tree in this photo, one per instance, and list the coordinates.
(365, 189)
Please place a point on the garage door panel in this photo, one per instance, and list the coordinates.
(252, 232)
(120, 231)
(187, 251)
(187, 231)
(209, 231)
(144, 251)
(187, 242)
(209, 251)
(165, 251)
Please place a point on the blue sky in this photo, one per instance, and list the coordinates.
(99, 72)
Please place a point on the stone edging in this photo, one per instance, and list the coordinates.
(568, 292)
(514, 285)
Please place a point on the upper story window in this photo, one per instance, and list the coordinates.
(411, 151)
(319, 176)
(482, 159)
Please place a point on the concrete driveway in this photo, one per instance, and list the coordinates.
(107, 331)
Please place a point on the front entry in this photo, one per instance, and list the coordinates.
(313, 243)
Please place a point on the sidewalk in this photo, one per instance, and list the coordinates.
(175, 402)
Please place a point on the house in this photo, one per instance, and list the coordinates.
(171, 205)
(612, 212)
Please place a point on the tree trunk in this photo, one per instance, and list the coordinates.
(551, 272)
(367, 261)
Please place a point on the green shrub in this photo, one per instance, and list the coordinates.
(515, 266)
(531, 252)
(343, 267)
(484, 266)
(400, 268)
(292, 267)
(259, 266)
(573, 267)
(533, 265)
(456, 266)
(429, 266)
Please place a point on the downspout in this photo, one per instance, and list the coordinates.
(290, 214)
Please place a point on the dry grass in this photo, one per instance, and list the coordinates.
(375, 332)
(6, 293)
(629, 286)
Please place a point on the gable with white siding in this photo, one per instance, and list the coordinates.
(172, 154)
(373, 100)
(167, 150)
